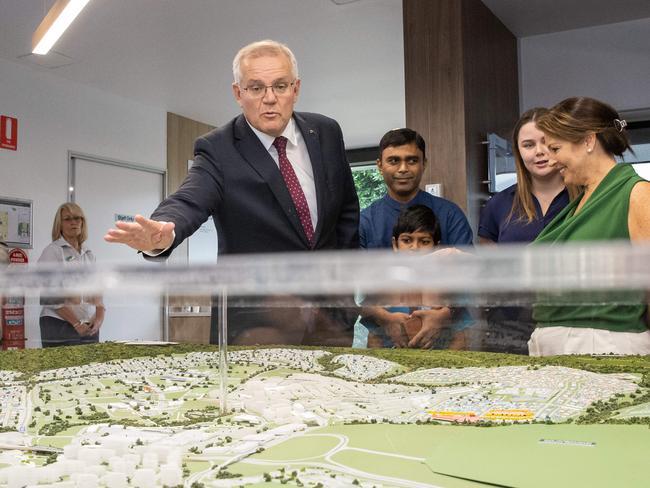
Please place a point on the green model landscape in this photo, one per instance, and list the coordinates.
(316, 416)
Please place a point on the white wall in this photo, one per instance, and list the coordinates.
(609, 62)
(54, 116)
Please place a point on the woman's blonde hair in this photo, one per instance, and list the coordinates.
(74, 210)
(523, 206)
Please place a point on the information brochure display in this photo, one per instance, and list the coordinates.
(16, 222)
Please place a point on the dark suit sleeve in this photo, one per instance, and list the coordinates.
(347, 228)
(198, 196)
(364, 225)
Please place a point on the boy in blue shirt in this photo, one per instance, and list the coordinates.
(417, 230)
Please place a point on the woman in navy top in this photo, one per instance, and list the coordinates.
(517, 215)
(520, 212)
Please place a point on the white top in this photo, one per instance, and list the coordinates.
(299, 158)
(60, 251)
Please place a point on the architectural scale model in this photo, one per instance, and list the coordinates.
(319, 418)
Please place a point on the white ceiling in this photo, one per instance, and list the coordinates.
(176, 54)
(527, 18)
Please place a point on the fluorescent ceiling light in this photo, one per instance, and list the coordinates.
(57, 20)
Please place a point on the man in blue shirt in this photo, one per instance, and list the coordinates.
(401, 162)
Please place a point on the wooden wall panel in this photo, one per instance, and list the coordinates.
(434, 89)
(461, 81)
(181, 134)
(491, 93)
(195, 330)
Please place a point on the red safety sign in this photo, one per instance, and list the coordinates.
(17, 256)
(8, 132)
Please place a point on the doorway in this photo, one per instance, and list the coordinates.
(108, 190)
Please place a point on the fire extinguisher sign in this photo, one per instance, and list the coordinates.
(8, 132)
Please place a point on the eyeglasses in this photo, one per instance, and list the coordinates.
(75, 218)
(279, 88)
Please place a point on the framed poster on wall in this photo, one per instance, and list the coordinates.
(16, 222)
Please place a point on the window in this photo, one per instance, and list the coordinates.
(367, 180)
(369, 183)
(639, 133)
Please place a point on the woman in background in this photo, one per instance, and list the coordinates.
(520, 212)
(517, 215)
(70, 320)
(584, 136)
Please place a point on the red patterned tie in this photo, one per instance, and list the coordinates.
(295, 190)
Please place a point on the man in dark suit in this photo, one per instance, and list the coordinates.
(274, 180)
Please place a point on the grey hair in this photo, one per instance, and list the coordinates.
(262, 48)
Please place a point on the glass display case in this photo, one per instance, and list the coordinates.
(304, 385)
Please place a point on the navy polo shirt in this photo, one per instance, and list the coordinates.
(494, 224)
(377, 221)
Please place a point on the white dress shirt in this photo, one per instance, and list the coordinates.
(299, 158)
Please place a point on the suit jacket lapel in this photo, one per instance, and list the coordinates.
(252, 150)
(310, 135)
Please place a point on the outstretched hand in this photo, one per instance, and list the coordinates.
(393, 325)
(433, 321)
(143, 234)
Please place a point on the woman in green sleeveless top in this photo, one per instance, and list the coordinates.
(584, 136)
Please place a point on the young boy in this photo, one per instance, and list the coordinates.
(417, 229)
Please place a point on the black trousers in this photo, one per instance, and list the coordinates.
(56, 332)
(508, 330)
